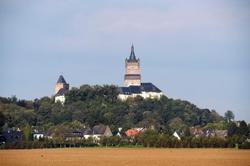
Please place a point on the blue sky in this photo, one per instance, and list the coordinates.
(193, 50)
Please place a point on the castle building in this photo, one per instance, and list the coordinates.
(132, 81)
(132, 70)
(60, 88)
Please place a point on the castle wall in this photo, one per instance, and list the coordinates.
(132, 68)
(145, 95)
(60, 99)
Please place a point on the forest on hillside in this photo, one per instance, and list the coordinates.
(92, 105)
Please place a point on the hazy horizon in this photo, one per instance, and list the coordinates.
(191, 50)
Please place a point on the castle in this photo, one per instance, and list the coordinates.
(132, 83)
(60, 88)
(132, 70)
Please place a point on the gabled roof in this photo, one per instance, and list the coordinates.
(61, 80)
(99, 129)
(145, 87)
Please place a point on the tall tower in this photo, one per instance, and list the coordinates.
(61, 84)
(132, 70)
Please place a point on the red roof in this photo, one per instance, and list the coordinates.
(132, 132)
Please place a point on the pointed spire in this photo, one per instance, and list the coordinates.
(132, 54)
(61, 80)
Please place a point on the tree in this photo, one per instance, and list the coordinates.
(232, 129)
(27, 132)
(229, 116)
(13, 99)
(2, 120)
(148, 138)
(36, 105)
(243, 129)
(177, 124)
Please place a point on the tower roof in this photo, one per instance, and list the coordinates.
(61, 80)
(132, 56)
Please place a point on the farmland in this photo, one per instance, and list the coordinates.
(124, 157)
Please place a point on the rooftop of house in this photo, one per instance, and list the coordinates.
(99, 129)
(134, 131)
(145, 87)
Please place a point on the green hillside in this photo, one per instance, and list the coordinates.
(91, 105)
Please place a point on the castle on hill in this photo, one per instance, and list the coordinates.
(132, 81)
(133, 86)
(60, 88)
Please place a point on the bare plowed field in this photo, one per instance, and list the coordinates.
(125, 157)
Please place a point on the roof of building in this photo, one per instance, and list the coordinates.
(135, 89)
(145, 87)
(99, 129)
(149, 87)
(61, 80)
(132, 57)
(61, 92)
(134, 131)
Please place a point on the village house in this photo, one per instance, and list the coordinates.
(101, 130)
(74, 135)
(198, 132)
(97, 132)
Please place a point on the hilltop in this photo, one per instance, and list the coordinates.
(91, 105)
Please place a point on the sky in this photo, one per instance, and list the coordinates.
(192, 50)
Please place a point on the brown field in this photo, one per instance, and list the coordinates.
(125, 157)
